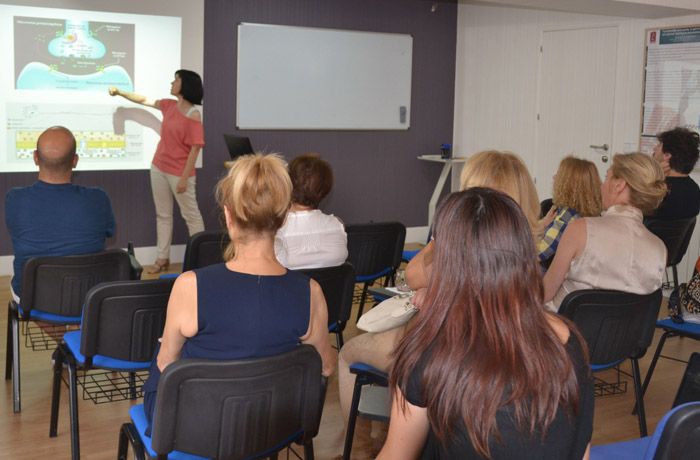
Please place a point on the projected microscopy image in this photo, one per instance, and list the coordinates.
(66, 54)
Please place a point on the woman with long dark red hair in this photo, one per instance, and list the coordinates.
(487, 372)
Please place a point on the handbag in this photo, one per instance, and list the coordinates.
(690, 296)
(388, 314)
(685, 299)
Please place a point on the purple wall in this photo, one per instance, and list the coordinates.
(377, 175)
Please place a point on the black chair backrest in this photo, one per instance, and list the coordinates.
(374, 247)
(124, 319)
(234, 409)
(689, 389)
(616, 325)
(680, 439)
(338, 285)
(675, 234)
(59, 284)
(205, 248)
(545, 206)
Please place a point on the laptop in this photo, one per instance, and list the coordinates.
(237, 145)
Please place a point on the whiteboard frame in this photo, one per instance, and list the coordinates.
(310, 99)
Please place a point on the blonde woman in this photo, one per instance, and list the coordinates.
(615, 250)
(249, 306)
(575, 193)
(500, 170)
(503, 171)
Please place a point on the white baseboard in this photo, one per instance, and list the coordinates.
(145, 255)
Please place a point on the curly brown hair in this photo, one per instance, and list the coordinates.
(577, 186)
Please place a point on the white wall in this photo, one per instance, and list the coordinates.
(496, 81)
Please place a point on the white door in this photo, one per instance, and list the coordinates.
(576, 100)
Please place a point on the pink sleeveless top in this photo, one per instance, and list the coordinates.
(178, 134)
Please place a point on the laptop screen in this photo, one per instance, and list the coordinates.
(237, 145)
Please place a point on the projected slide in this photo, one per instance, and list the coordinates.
(59, 64)
(73, 54)
(95, 141)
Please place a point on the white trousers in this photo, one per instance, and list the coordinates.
(163, 187)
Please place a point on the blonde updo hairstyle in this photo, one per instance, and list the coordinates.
(257, 192)
(577, 186)
(503, 171)
(643, 176)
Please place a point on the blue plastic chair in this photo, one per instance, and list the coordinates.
(203, 248)
(671, 329)
(121, 324)
(375, 251)
(374, 404)
(409, 254)
(242, 409)
(338, 285)
(677, 437)
(616, 326)
(53, 291)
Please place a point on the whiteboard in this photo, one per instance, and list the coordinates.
(311, 78)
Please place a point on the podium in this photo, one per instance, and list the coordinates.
(447, 164)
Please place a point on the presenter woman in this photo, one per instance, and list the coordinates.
(172, 170)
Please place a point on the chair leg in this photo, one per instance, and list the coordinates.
(675, 277)
(58, 359)
(8, 349)
(16, 396)
(74, 426)
(339, 339)
(350, 433)
(640, 399)
(129, 435)
(123, 446)
(652, 365)
(309, 450)
(362, 300)
(132, 385)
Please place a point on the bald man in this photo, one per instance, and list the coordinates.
(53, 217)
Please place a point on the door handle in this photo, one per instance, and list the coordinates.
(603, 147)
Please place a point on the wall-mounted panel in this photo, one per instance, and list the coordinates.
(314, 78)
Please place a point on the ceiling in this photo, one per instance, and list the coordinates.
(650, 9)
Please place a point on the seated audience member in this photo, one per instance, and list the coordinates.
(503, 171)
(250, 306)
(614, 251)
(575, 193)
(309, 238)
(54, 217)
(677, 152)
(460, 385)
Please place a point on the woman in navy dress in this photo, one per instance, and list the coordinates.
(249, 306)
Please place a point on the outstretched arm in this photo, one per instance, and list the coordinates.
(133, 97)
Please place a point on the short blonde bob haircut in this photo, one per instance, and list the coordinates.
(504, 171)
(643, 176)
(577, 186)
(257, 192)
